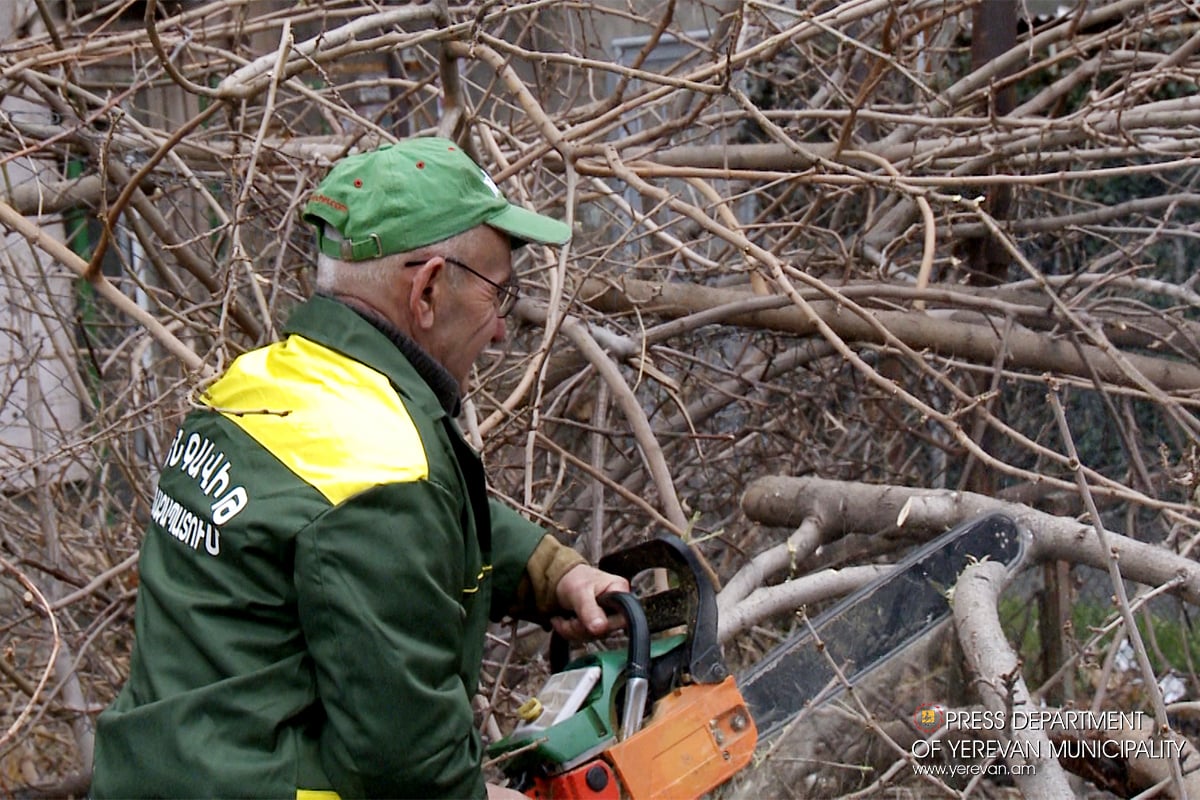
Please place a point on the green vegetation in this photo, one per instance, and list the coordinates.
(1165, 630)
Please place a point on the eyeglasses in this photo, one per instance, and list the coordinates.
(507, 293)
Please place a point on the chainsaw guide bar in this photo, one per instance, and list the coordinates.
(866, 628)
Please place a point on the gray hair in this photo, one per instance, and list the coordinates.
(375, 275)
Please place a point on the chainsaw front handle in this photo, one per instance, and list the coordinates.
(637, 668)
(691, 602)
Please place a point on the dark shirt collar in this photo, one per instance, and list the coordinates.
(443, 384)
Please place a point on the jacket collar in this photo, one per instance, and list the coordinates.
(372, 340)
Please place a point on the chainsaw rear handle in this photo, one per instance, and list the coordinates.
(685, 728)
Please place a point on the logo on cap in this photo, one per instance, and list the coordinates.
(329, 201)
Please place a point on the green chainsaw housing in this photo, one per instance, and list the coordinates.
(589, 730)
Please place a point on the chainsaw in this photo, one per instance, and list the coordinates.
(665, 720)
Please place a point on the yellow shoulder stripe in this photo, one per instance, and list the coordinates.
(336, 423)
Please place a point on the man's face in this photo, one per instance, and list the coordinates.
(465, 318)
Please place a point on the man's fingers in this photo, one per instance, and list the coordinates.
(577, 591)
(594, 618)
(574, 629)
(569, 629)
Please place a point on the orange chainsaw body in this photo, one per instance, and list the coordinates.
(698, 737)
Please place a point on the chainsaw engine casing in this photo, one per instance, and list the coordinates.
(698, 737)
(698, 732)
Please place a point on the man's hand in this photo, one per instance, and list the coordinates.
(577, 592)
(495, 792)
(502, 793)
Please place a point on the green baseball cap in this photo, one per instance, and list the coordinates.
(404, 196)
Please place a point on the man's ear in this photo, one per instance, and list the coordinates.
(423, 293)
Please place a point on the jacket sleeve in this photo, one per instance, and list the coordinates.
(528, 565)
(514, 539)
(382, 608)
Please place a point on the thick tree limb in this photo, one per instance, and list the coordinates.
(1146, 767)
(998, 678)
(771, 601)
(846, 506)
(35, 198)
(981, 343)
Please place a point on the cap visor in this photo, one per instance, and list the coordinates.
(525, 225)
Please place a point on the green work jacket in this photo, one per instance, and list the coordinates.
(320, 567)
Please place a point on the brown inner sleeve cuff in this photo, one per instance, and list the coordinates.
(546, 566)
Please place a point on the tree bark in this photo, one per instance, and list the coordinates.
(999, 681)
(847, 506)
(981, 343)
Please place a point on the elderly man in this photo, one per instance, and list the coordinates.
(323, 558)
